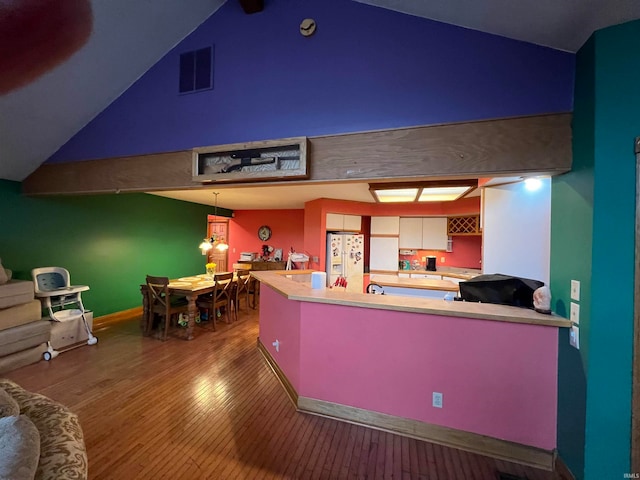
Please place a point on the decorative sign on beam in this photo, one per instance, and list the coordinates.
(251, 162)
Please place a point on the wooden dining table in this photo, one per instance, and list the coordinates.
(190, 288)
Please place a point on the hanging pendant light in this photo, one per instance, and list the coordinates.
(216, 240)
(205, 246)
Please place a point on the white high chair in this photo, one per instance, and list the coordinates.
(53, 287)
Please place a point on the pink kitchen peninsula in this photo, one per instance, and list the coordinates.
(479, 377)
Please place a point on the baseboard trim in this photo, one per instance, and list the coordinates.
(117, 317)
(471, 442)
(562, 470)
(284, 381)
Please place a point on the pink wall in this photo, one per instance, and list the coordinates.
(287, 228)
(498, 379)
(282, 323)
(467, 253)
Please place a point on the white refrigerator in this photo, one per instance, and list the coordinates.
(345, 252)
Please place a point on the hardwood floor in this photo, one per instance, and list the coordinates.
(212, 409)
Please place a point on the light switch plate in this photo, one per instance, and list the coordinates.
(575, 290)
(574, 313)
(574, 337)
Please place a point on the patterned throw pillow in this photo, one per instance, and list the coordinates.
(8, 406)
(62, 451)
(19, 448)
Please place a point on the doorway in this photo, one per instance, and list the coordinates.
(219, 229)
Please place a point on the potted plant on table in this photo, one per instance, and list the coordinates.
(211, 269)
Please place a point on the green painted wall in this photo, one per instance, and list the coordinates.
(571, 247)
(606, 121)
(617, 123)
(109, 242)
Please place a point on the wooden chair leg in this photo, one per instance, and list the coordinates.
(256, 292)
(234, 305)
(166, 328)
(151, 320)
(213, 317)
(227, 311)
(148, 323)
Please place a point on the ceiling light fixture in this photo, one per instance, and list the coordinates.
(532, 184)
(419, 192)
(216, 240)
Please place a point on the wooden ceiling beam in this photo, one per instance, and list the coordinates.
(531, 145)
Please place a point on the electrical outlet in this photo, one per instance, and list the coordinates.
(574, 313)
(575, 290)
(442, 259)
(315, 259)
(437, 400)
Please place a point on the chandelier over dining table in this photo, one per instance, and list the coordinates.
(216, 240)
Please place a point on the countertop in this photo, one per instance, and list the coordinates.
(295, 285)
(453, 272)
(419, 283)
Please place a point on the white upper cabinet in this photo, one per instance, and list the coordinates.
(426, 233)
(385, 225)
(352, 223)
(411, 232)
(337, 222)
(383, 254)
(434, 233)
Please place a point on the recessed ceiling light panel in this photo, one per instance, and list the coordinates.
(442, 194)
(397, 195)
(422, 191)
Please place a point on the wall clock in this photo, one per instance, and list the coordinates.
(264, 233)
(307, 27)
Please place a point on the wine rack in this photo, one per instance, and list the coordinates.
(464, 225)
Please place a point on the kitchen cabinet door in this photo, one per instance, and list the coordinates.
(383, 254)
(335, 222)
(411, 232)
(385, 225)
(434, 233)
(352, 223)
(338, 222)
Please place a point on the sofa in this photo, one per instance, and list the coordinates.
(39, 437)
(23, 332)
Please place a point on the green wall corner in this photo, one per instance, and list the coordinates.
(109, 242)
(593, 240)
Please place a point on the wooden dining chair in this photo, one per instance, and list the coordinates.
(241, 266)
(162, 304)
(220, 297)
(243, 286)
